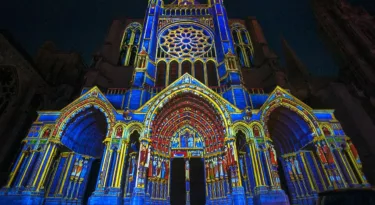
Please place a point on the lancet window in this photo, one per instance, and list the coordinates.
(130, 44)
(168, 72)
(172, 10)
(243, 44)
(212, 74)
(161, 74)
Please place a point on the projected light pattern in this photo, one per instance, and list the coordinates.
(186, 41)
(226, 145)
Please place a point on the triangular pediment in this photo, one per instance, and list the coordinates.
(93, 92)
(187, 81)
(279, 92)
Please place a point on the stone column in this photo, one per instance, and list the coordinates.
(120, 165)
(238, 192)
(353, 157)
(257, 169)
(187, 181)
(139, 195)
(17, 168)
(108, 190)
(43, 162)
(44, 166)
(267, 188)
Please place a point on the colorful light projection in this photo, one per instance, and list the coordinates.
(118, 149)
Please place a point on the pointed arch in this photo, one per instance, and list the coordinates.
(212, 74)
(129, 44)
(137, 37)
(134, 127)
(46, 131)
(244, 38)
(89, 100)
(158, 102)
(199, 71)
(327, 131)
(161, 74)
(173, 71)
(85, 132)
(186, 67)
(298, 115)
(194, 111)
(243, 127)
(119, 130)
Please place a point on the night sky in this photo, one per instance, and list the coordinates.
(81, 25)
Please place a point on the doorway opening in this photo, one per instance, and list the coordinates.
(178, 187)
(197, 182)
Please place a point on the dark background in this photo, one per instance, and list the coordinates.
(81, 25)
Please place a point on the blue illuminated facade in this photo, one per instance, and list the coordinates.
(187, 103)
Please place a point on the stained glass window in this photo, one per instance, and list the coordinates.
(186, 41)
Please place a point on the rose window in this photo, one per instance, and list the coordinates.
(186, 41)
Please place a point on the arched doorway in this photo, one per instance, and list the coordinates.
(188, 140)
(292, 156)
(78, 157)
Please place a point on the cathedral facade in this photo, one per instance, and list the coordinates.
(188, 130)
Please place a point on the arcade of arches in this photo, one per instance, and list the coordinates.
(189, 144)
(167, 73)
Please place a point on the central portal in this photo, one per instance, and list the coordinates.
(188, 148)
(187, 182)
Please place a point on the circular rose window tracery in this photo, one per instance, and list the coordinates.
(186, 41)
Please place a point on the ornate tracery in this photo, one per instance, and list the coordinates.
(187, 41)
(243, 44)
(130, 44)
(188, 110)
(240, 140)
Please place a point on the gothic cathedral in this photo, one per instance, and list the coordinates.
(187, 131)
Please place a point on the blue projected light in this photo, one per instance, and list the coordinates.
(188, 113)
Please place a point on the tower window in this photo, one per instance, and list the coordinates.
(244, 46)
(199, 71)
(130, 43)
(212, 74)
